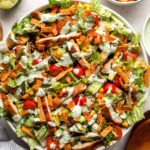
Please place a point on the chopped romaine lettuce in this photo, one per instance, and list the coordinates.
(42, 133)
(32, 143)
(24, 27)
(95, 57)
(3, 112)
(137, 113)
(95, 6)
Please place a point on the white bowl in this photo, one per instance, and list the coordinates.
(124, 3)
(146, 35)
(127, 25)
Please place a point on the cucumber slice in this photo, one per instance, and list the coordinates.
(8, 4)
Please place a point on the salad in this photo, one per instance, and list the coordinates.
(72, 76)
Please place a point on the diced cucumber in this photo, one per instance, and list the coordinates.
(8, 4)
(93, 88)
(42, 133)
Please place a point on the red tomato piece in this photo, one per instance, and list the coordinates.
(51, 143)
(116, 81)
(111, 86)
(96, 21)
(29, 104)
(78, 71)
(118, 132)
(129, 55)
(55, 69)
(35, 61)
(81, 100)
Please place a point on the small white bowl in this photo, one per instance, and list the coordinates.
(146, 35)
(124, 3)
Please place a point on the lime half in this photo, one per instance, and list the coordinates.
(8, 4)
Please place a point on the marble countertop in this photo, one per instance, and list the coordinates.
(135, 14)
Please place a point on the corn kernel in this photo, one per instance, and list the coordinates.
(84, 48)
(101, 90)
(125, 124)
(85, 5)
(92, 63)
(79, 43)
(87, 9)
(117, 53)
(96, 27)
(124, 68)
(115, 58)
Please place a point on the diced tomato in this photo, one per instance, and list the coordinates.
(118, 132)
(36, 61)
(51, 142)
(129, 55)
(109, 86)
(116, 81)
(78, 71)
(55, 69)
(29, 104)
(96, 21)
(81, 100)
(132, 55)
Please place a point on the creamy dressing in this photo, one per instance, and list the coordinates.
(65, 139)
(16, 118)
(76, 112)
(13, 38)
(3, 47)
(50, 17)
(95, 78)
(51, 124)
(90, 123)
(6, 59)
(65, 60)
(52, 146)
(65, 29)
(40, 92)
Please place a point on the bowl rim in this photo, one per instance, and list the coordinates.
(124, 3)
(143, 33)
(127, 24)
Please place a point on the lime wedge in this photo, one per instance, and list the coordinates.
(8, 4)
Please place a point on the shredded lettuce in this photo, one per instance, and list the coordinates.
(138, 112)
(3, 112)
(24, 27)
(19, 132)
(61, 3)
(95, 57)
(11, 83)
(95, 6)
(32, 143)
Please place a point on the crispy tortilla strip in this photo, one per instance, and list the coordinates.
(84, 63)
(46, 29)
(10, 107)
(27, 131)
(63, 73)
(100, 121)
(46, 109)
(147, 77)
(68, 11)
(41, 111)
(122, 48)
(37, 23)
(79, 88)
(106, 131)
(123, 75)
(59, 37)
(85, 145)
(5, 75)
